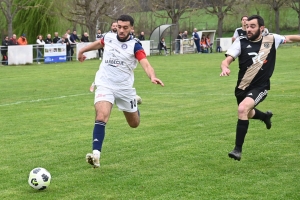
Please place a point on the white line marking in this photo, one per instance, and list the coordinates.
(47, 99)
(164, 93)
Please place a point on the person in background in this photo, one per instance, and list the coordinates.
(22, 40)
(85, 37)
(196, 40)
(73, 40)
(240, 32)
(98, 37)
(178, 39)
(48, 40)
(5, 43)
(162, 45)
(56, 38)
(40, 48)
(141, 36)
(13, 40)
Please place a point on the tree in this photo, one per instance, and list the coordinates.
(91, 13)
(85, 12)
(174, 10)
(10, 8)
(220, 8)
(275, 5)
(40, 18)
(295, 5)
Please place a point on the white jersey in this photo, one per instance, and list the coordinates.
(119, 61)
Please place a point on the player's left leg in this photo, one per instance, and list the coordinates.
(258, 96)
(127, 102)
(242, 127)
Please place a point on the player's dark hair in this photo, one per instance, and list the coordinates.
(260, 20)
(243, 17)
(112, 23)
(126, 18)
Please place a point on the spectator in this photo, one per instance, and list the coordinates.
(196, 40)
(4, 50)
(162, 45)
(73, 41)
(178, 39)
(113, 27)
(185, 35)
(48, 40)
(39, 48)
(56, 38)
(64, 39)
(141, 36)
(85, 37)
(13, 40)
(98, 37)
(132, 33)
(209, 44)
(22, 40)
(203, 45)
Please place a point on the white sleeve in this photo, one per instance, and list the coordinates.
(279, 39)
(235, 49)
(39, 41)
(235, 34)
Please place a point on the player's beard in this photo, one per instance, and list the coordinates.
(255, 36)
(114, 30)
(125, 38)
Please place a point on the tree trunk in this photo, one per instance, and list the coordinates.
(277, 21)
(10, 27)
(220, 26)
(299, 23)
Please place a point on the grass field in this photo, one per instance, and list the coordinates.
(179, 151)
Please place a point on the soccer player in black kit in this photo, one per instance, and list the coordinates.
(240, 32)
(257, 55)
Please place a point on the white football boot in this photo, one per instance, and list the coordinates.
(93, 158)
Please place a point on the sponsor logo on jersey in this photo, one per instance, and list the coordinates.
(267, 45)
(124, 46)
(114, 62)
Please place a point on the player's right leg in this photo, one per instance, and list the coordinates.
(103, 104)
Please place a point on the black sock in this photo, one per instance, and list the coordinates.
(259, 115)
(241, 131)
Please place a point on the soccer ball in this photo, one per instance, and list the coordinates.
(39, 178)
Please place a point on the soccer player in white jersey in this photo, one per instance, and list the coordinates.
(114, 80)
(257, 56)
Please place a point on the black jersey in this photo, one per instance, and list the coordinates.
(256, 60)
(239, 32)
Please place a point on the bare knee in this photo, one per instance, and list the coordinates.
(134, 125)
(242, 110)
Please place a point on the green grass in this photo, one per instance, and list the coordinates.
(179, 151)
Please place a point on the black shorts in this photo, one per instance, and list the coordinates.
(257, 94)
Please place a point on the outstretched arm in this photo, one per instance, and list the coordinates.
(292, 38)
(150, 72)
(93, 46)
(225, 66)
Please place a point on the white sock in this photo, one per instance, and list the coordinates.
(96, 153)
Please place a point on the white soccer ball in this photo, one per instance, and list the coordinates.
(39, 178)
(138, 99)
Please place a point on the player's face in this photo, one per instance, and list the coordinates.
(114, 27)
(253, 29)
(124, 29)
(244, 20)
